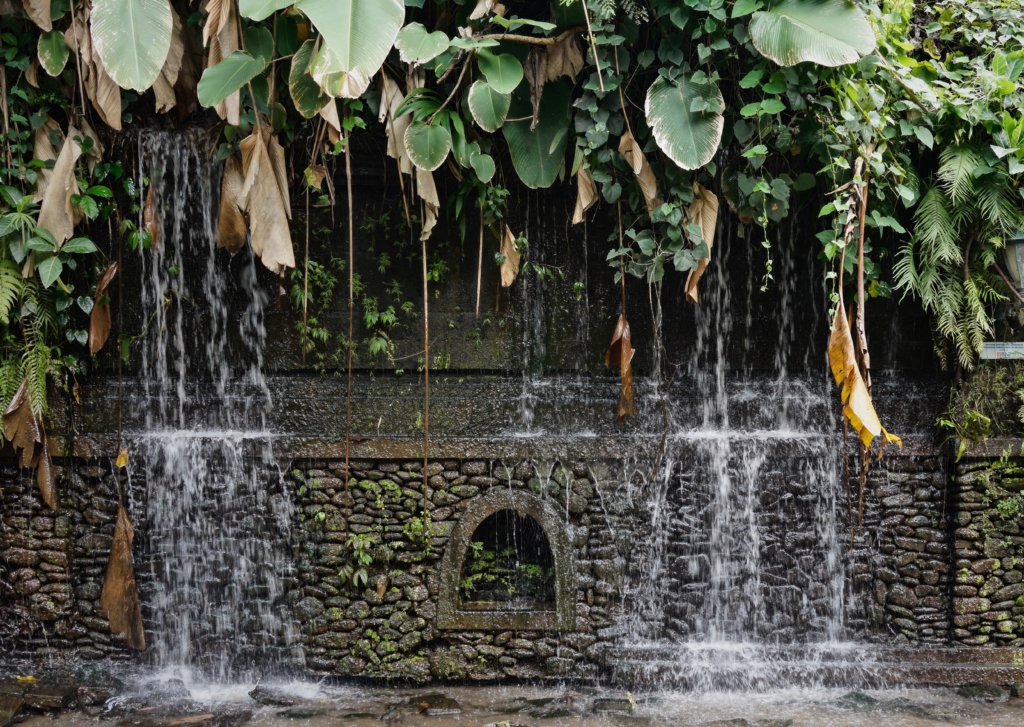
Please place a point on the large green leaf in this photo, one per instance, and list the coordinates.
(260, 9)
(538, 155)
(688, 137)
(359, 33)
(827, 32)
(222, 80)
(428, 144)
(132, 38)
(416, 45)
(503, 71)
(489, 108)
(306, 94)
(53, 52)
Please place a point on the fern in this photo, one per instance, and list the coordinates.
(11, 285)
(37, 366)
(956, 171)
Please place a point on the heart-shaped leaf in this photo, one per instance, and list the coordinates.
(220, 81)
(503, 71)
(428, 145)
(132, 38)
(827, 32)
(483, 165)
(489, 108)
(689, 138)
(53, 52)
(416, 45)
(306, 94)
(49, 270)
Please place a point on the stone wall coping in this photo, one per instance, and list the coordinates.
(992, 448)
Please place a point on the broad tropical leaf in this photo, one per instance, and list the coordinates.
(689, 138)
(489, 108)
(826, 32)
(53, 52)
(427, 144)
(538, 155)
(416, 45)
(307, 96)
(132, 38)
(220, 81)
(503, 71)
(359, 33)
(260, 9)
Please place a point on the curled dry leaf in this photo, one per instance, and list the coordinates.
(39, 12)
(55, 214)
(854, 394)
(150, 221)
(510, 265)
(703, 212)
(391, 99)
(329, 113)
(122, 458)
(25, 432)
(231, 229)
(45, 150)
(264, 198)
(427, 191)
(564, 59)
(620, 356)
(221, 34)
(536, 71)
(634, 156)
(120, 597)
(586, 194)
(101, 89)
(163, 86)
(46, 474)
(99, 318)
(486, 7)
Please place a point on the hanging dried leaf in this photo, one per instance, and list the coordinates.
(854, 393)
(218, 15)
(55, 214)
(231, 229)
(620, 355)
(391, 99)
(46, 474)
(636, 160)
(329, 113)
(427, 191)
(221, 34)
(101, 89)
(703, 212)
(536, 71)
(264, 198)
(150, 221)
(45, 150)
(186, 97)
(39, 12)
(564, 59)
(122, 459)
(163, 86)
(486, 7)
(99, 318)
(95, 154)
(586, 194)
(510, 264)
(120, 598)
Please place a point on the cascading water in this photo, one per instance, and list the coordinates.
(739, 575)
(213, 497)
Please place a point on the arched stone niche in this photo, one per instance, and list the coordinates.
(562, 618)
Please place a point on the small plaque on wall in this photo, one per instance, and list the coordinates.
(1002, 350)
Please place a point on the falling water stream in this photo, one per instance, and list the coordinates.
(215, 503)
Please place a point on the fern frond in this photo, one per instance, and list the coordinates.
(936, 229)
(11, 285)
(37, 367)
(956, 171)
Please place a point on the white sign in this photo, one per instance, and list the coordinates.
(1002, 350)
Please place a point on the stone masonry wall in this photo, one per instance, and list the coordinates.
(389, 628)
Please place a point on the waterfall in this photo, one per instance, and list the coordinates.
(737, 577)
(213, 498)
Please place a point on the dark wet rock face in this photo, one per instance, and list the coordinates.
(273, 697)
(436, 705)
(984, 693)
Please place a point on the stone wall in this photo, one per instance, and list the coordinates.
(390, 627)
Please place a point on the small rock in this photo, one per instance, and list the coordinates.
(983, 693)
(436, 704)
(271, 697)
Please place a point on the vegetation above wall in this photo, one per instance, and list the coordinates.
(903, 117)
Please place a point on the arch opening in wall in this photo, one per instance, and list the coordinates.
(508, 565)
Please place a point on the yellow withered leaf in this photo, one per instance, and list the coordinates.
(122, 458)
(120, 597)
(703, 212)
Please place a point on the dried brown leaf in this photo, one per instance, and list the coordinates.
(536, 71)
(32, 73)
(510, 265)
(586, 194)
(427, 191)
(39, 12)
(391, 99)
(163, 87)
(21, 427)
(329, 113)
(634, 156)
(101, 89)
(221, 34)
(120, 597)
(703, 212)
(231, 228)
(95, 154)
(218, 15)
(564, 59)
(263, 201)
(150, 220)
(56, 214)
(486, 7)
(99, 318)
(45, 150)
(620, 355)
(46, 475)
